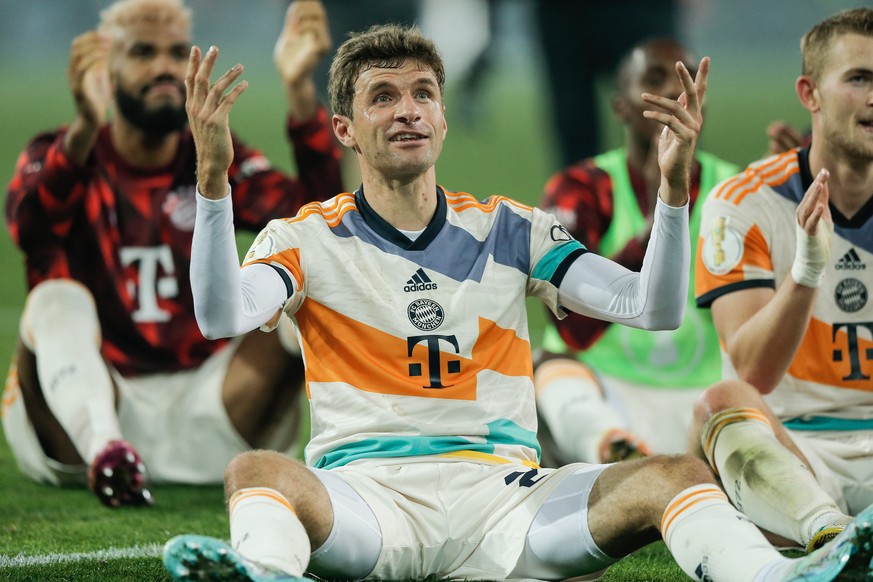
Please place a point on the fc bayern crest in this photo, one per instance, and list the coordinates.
(850, 295)
(425, 314)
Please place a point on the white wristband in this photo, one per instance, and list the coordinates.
(811, 256)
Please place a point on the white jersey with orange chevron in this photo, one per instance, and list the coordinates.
(747, 240)
(420, 348)
(406, 346)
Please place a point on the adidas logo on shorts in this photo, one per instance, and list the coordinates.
(419, 282)
(850, 262)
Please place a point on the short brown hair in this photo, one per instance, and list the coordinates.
(384, 46)
(123, 13)
(815, 44)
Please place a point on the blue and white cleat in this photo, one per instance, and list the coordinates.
(193, 557)
(846, 557)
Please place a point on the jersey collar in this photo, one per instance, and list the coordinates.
(381, 227)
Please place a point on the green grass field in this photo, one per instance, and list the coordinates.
(52, 534)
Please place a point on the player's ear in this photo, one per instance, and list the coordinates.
(342, 128)
(807, 93)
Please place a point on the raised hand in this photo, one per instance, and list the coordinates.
(682, 120)
(88, 77)
(814, 230)
(304, 40)
(208, 107)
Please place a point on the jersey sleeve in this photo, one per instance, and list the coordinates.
(45, 194)
(552, 251)
(262, 193)
(277, 247)
(733, 252)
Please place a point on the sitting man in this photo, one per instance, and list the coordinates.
(423, 460)
(112, 374)
(786, 264)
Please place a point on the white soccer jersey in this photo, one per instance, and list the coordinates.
(747, 239)
(409, 351)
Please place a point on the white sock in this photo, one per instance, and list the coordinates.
(60, 326)
(571, 402)
(264, 528)
(754, 468)
(711, 540)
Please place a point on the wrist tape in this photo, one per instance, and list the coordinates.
(811, 255)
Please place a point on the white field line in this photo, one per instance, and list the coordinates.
(22, 560)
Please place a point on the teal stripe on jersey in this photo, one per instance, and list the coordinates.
(553, 259)
(827, 423)
(501, 432)
(506, 432)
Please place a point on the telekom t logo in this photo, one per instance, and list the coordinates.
(855, 355)
(433, 358)
(156, 279)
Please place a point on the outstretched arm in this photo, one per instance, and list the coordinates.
(654, 298)
(225, 303)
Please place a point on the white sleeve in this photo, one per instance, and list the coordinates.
(228, 301)
(655, 297)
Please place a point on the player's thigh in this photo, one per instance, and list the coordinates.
(559, 543)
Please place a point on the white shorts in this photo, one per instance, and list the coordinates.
(460, 519)
(176, 421)
(661, 417)
(842, 463)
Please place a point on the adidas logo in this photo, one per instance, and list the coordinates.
(419, 282)
(850, 262)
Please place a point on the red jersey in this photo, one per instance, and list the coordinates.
(125, 232)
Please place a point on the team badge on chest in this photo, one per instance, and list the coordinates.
(425, 314)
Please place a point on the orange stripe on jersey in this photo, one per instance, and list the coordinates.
(756, 253)
(256, 492)
(824, 357)
(502, 350)
(332, 213)
(755, 176)
(773, 178)
(340, 349)
(462, 201)
(289, 258)
(675, 509)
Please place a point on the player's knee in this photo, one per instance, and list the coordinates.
(53, 302)
(722, 396)
(261, 468)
